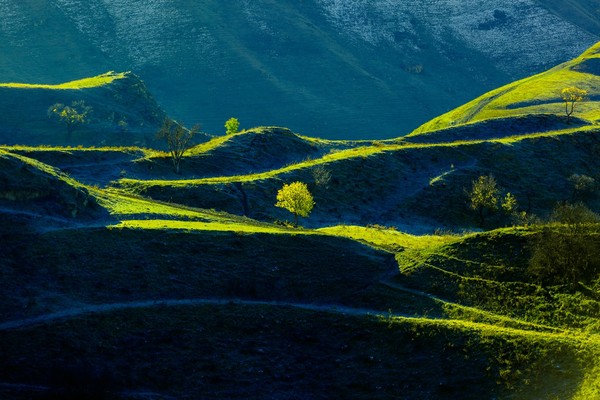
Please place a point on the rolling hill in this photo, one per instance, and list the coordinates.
(123, 112)
(530, 98)
(122, 279)
(249, 309)
(325, 68)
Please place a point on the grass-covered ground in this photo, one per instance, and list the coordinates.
(397, 312)
(259, 351)
(123, 279)
(85, 83)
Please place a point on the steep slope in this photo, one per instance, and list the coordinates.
(529, 98)
(326, 68)
(122, 112)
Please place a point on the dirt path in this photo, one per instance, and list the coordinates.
(105, 308)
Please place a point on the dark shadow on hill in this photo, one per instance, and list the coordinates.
(588, 66)
(41, 197)
(498, 128)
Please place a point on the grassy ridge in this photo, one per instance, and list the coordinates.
(538, 94)
(382, 181)
(85, 83)
(165, 249)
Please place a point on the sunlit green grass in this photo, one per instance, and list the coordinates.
(87, 149)
(86, 83)
(139, 213)
(168, 224)
(340, 155)
(388, 238)
(538, 94)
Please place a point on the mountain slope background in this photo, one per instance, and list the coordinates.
(326, 68)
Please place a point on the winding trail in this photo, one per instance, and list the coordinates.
(104, 308)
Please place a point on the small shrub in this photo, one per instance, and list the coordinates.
(321, 176)
(232, 125)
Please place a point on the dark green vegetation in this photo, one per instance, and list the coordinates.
(124, 279)
(335, 69)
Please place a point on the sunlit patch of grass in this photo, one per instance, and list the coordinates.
(210, 145)
(388, 238)
(139, 213)
(75, 149)
(590, 387)
(123, 205)
(86, 83)
(169, 224)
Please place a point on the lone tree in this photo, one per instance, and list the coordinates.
(295, 198)
(232, 125)
(571, 96)
(71, 116)
(484, 196)
(178, 139)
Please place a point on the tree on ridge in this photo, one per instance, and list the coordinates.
(178, 140)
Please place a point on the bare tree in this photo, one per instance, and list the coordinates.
(178, 139)
(571, 96)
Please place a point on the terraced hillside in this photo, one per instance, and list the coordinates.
(334, 69)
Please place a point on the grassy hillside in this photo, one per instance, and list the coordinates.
(146, 299)
(415, 186)
(165, 352)
(125, 280)
(535, 96)
(122, 112)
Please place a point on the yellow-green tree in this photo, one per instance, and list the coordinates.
(232, 125)
(71, 116)
(571, 96)
(484, 196)
(178, 139)
(296, 198)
